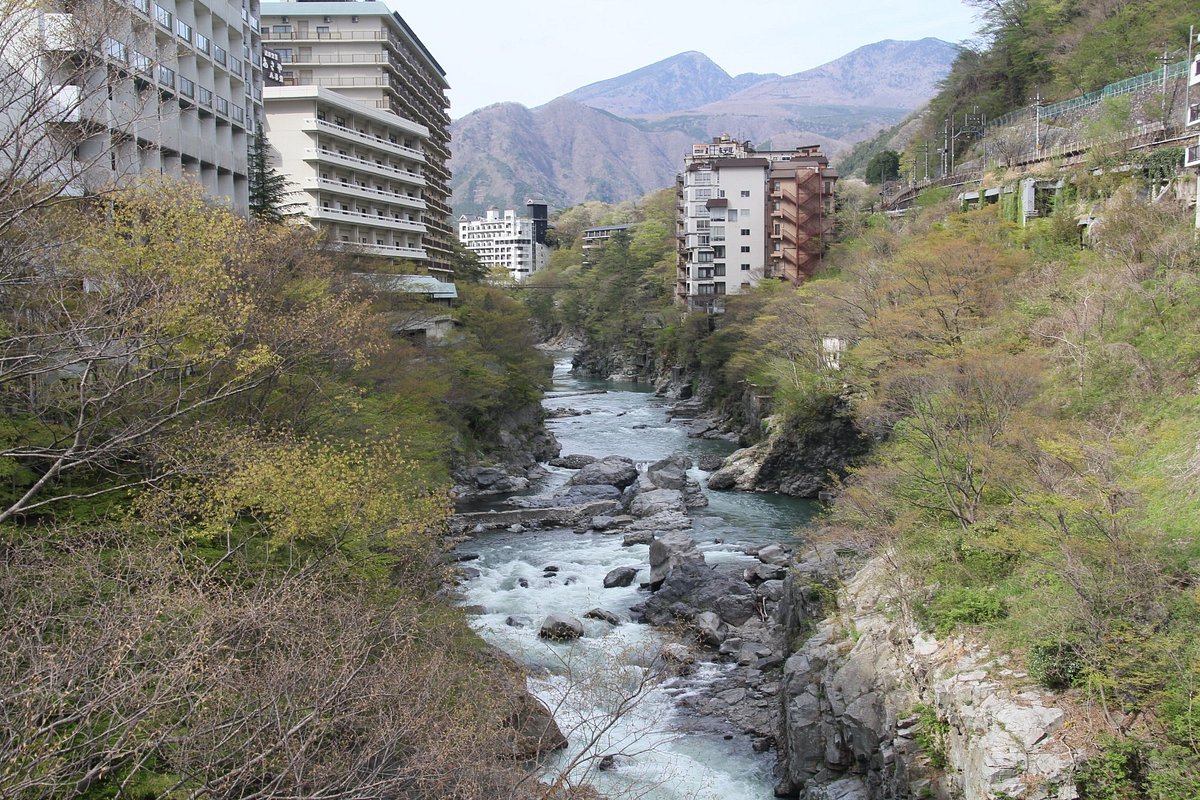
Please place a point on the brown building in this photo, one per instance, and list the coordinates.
(800, 213)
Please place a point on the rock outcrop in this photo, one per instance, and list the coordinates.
(874, 708)
(798, 459)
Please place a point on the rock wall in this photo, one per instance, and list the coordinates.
(512, 461)
(871, 707)
(797, 458)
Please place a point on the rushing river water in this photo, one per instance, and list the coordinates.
(661, 754)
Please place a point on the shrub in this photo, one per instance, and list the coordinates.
(961, 605)
(1055, 663)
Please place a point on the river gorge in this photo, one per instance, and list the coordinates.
(521, 577)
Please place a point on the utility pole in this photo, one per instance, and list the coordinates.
(1037, 124)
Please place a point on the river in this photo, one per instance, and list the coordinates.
(597, 685)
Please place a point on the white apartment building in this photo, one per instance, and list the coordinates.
(358, 170)
(504, 240)
(366, 53)
(110, 92)
(744, 215)
(721, 223)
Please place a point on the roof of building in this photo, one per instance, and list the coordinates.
(717, 202)
(606, 229)
(411, 284)
(344, 102)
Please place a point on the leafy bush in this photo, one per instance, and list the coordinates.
(1055, 663)
(963, 605)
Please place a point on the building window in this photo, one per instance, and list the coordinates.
(745, 231)
(745, 192)
(719, 287)
(745, 248)
(219, 54)
(281, 29)
(183, 30)
(745, 267)
(718, 269)
(162, 16)
(202, 43)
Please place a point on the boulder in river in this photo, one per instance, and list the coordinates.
(657, 501)
(560, 628)
(610, 471)
(603, 616)
(637, 537)
(670, 472)
(693, 587)
(573, 461)
(710, 629)
(670, 551)
(620, 577)
(710, 462)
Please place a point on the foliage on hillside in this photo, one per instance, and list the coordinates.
(224, 505)
(612, 295)
(1034, 405)
(1036, 477)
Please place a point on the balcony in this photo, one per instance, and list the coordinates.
(378, 142)
(354, 162)
(395, 251)
(366, 192)
(294, 36)
(362, 218)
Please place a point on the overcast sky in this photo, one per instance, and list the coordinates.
(532, 51)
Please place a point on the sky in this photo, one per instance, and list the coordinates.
(532, 51)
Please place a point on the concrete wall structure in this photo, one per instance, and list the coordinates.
(358, 170)
(147, 87)
(367, 53)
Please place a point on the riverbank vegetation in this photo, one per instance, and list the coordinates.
(224, 505)
(1033, 406)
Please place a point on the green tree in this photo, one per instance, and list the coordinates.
(884, 166)
(269, 189)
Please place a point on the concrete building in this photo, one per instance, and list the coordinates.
(368, 54)
(358, 170)
(594, 239)
(504, 240)
(745, 215)
(151, 87)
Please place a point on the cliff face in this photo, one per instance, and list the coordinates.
(798, 458)
(873, 708)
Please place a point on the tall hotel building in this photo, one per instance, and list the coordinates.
(744, 215)
(109, 92)
(361, 127)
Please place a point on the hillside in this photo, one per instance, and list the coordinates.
(618, 139)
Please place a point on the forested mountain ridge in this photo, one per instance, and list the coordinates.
(591, 145)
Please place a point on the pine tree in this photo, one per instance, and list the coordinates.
(268, 188)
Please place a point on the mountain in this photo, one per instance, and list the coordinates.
(562, 152)
(620, 138)
(678, 83)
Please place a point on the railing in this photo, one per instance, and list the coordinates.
(354, 188)
(355, 161)
(1125, 86)
(289, 36)
(367, 138)
(359, 216)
